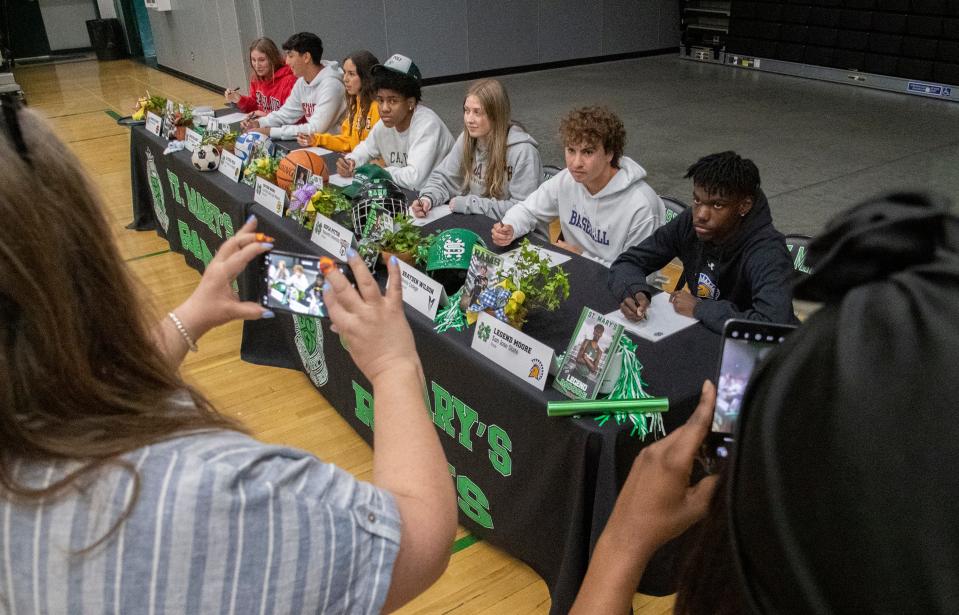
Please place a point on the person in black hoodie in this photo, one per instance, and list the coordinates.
(841, 495)
(732, 255)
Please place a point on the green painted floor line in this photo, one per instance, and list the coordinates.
(464, 542)
(143, 256)
(112, 114)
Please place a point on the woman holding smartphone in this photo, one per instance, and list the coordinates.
(363, 112)
(270, 84)
(121, 482)
(493, 164)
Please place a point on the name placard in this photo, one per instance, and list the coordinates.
(513, 350)
(269, 195)
(332, 237)
(420, 291)
(154, 123)
(193, 139)
(230, 165)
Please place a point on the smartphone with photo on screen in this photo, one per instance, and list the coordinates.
(745, 344)
(293, 282)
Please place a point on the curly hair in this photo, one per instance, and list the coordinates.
(596, 125)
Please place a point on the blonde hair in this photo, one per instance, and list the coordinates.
(495, 103)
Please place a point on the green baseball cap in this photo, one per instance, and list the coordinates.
(363, 176)
(452, 249)
(401, 64)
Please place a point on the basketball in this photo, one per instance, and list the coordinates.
(310, 160)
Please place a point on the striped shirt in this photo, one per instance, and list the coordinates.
(222, 524)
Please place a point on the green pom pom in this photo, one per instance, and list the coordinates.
(451, 316)
(630, 385)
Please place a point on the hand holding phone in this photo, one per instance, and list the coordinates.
(745, 344)
(372, 323)
(293, 282)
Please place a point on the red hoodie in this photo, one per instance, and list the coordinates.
(268, 96)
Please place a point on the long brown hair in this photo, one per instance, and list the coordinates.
(267, 47)
(495, 102)
(81, 377)
(364, 61)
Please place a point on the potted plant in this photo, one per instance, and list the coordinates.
(403, 241)
(181, 120)
(535, 286)
(156, 104)
(308, 201)
(224, 139)
(264, 166)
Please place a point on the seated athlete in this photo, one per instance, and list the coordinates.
(410, 139)
(734, 259)
(317, 94)
(271, 83)
(362, 113)
(602, 199)
(493, 165)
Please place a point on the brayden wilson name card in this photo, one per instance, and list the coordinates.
(420, 291)
(513, 350)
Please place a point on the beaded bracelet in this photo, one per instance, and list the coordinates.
(186, 336)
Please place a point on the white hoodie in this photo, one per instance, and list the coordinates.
(321, 101)
(410, 155)
(622, 214)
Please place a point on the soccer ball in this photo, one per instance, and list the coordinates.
(206, 158)
(252, 144)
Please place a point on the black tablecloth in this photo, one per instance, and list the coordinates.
(539, 488)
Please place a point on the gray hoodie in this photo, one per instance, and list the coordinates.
(523, 167)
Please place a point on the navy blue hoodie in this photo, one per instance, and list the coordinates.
(748, 276)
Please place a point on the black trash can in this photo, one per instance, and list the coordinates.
(106, 38)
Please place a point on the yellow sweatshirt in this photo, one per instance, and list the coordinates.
(349, 139)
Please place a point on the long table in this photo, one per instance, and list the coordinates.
(539, 488)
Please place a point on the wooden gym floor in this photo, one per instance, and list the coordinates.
(81, 100)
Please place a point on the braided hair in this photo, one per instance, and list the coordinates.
(726, 174)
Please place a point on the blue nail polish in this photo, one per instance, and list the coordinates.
(267, 314)
(268, 246)
(251, 218)
(393, 259)
(350, 253)
(326, 287)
